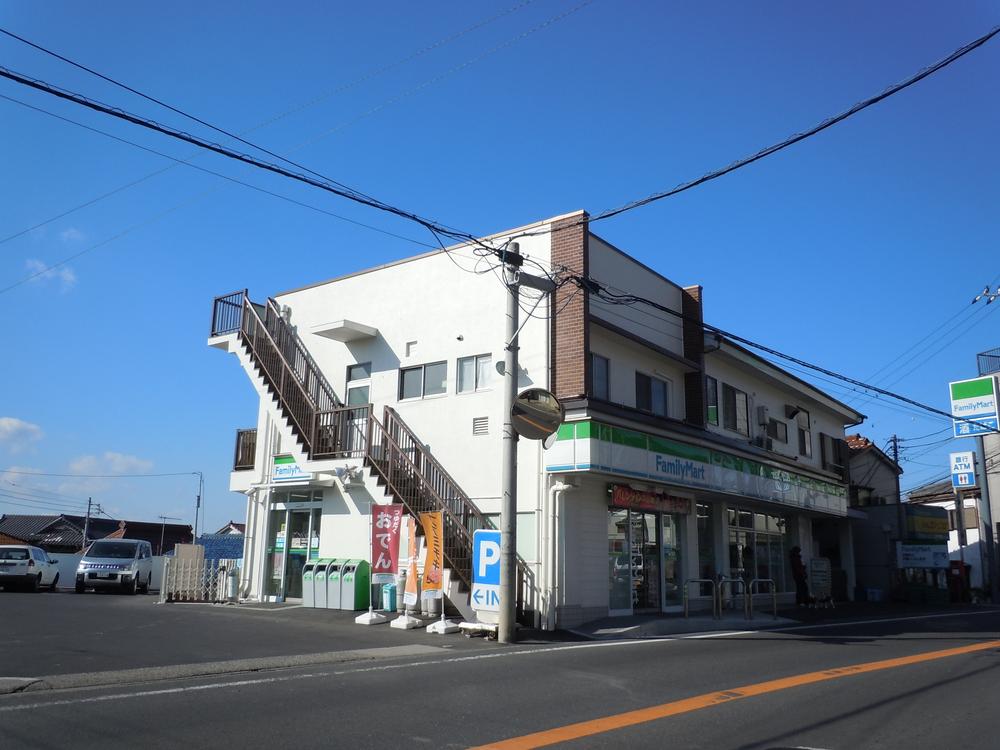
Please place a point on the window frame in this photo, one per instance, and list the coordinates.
(423, 381)
(477, 388)
(594, 357)
(711, 400)
(356, 383)
(804, 434)
(652, 380)
(735, 409)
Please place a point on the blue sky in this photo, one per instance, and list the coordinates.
(844, 250)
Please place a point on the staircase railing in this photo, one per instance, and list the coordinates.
(299, 359)
(308, 400)
(419, 481)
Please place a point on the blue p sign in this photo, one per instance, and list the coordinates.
(486, 556)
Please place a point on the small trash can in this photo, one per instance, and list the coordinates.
(355, 586)
(308, 591)
(388, 597)
(319, 582)
(333, 575)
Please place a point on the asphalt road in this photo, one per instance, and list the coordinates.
(473, 693)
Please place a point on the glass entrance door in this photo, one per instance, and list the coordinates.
(673, 581)
(298, 551)
(645, 561)
(619, 563)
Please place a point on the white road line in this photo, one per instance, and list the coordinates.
(499, 654)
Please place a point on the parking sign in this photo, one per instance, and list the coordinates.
(485, 594)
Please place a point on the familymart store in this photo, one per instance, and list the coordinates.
(644, 514)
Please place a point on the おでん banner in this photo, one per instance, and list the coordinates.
(386, 521)
(431, 581)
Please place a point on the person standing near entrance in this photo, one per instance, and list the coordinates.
(800, 577)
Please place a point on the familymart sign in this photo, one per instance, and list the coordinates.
(975, 402)
(593, 446)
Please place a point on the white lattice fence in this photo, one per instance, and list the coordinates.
(197, 580)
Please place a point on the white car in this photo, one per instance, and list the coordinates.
(28, 567)
(124, 565)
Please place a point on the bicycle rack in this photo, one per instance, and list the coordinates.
(723, 580)
(774, 596)
(716, 608)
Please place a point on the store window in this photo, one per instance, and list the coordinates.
(706, 544)
(758, 547)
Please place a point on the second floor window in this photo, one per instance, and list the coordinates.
(474, 373)
(600, 375)
(359, 383)
(711, 400)
(805, 433)
(735, 410)
(651, 394)
(777, 430)
(423, 380)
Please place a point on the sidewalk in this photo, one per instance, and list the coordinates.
(660, 625)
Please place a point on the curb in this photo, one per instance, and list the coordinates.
(9, 685)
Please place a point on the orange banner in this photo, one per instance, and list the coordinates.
(431, 582)
(410, 593)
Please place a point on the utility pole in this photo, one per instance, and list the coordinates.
(86, 526)
(197, 502)
(895, 457)
(986, 519)
(513, 279)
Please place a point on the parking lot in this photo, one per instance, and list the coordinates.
(68, 633)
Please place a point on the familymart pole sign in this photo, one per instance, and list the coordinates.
(975, 401)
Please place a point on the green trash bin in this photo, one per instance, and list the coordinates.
(319, 581)
(388, 597)
(355, 585)
(334, 571)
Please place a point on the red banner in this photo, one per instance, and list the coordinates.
(386, 520)
(626, 497)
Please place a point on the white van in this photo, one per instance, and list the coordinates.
(122, 564)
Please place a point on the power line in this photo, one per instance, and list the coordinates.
(791, 140)
(178, 161)
(98, 476)
(323, 184)
(294, 110)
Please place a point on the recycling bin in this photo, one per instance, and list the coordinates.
(319, 581)
(308, 593)
(355, 586)
(333, 574)
(388, 597)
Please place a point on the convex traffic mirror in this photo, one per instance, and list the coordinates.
(536, 414)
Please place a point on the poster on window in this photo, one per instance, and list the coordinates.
(430, 582)
(410, 594)
(386, 522)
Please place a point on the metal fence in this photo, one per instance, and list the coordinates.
(199, 580)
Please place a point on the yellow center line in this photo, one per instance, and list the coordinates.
(695, 703)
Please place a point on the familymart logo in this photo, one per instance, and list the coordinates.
(680, 469)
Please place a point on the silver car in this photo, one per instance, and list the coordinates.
(27, 566)
(125, 565)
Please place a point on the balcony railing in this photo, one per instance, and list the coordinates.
(246, 450)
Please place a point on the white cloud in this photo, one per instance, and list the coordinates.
(72, 234)
(41, 272)
(110, 462)
(17, 434)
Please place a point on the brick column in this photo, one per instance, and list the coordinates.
(571, 310)
(694, 349)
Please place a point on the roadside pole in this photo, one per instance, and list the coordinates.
(86, 526)
(506, 628)
(960, 530)
(986, 519)
(514, 279)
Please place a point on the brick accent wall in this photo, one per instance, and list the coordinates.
(694, 349)
(570, 321)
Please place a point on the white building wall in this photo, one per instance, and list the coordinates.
(620, 273)
(428, 310)
(625, 358)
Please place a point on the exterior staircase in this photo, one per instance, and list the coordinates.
(325, 429)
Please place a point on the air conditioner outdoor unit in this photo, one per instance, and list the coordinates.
(763, 415)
